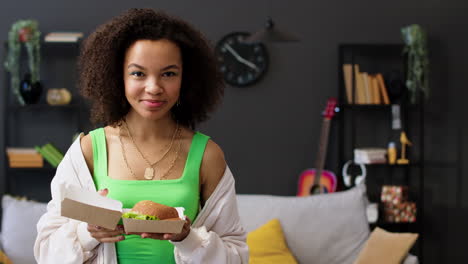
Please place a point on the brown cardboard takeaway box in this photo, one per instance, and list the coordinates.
(92, 208)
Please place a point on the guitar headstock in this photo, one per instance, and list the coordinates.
(331, 108)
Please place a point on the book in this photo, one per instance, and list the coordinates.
(54, 151)
(26, 164)
(375, 90)
(63, 36)
(25, 157)
(367, 93)
(348, 81)
(359, 86)
(20, 150)
(383, 89)
(370, 155)
(371, 89)
(47, 157)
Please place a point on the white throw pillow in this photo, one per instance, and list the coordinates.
(321, 229)
(19, 219)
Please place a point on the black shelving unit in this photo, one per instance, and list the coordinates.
(40, 123)
(369, 125)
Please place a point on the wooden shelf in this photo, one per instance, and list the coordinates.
(413, 164)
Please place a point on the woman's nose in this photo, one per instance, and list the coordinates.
(154, 87)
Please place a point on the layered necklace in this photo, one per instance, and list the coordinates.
(150, 171)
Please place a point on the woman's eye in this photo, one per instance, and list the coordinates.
(169, 74)
(137, 74)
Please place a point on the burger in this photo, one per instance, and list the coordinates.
(149, 210)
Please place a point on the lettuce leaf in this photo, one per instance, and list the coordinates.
(139, 216)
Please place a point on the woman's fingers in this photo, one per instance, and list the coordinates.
(159, 236)
(103, 192)
(93, 228)
(111, 239)
(105, 235)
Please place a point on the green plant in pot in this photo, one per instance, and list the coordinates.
(415, 39)
(24, 32)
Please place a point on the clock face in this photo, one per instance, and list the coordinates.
(242, 64)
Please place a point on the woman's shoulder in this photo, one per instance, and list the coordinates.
(212, 168)
(86, 144)
(213, 155)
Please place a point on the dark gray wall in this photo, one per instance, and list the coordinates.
(269, 132)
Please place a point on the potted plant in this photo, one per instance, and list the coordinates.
(26, 32)
(415, 39)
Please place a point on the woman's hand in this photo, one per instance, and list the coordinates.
(169, 236)
(105, 235)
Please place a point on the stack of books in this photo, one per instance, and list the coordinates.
(51, 154)
(24, 158)
(370, 155)
(363, 87)
(63, 36)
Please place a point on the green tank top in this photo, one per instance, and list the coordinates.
(182, 192)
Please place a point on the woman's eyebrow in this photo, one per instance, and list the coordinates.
(173, 66)
(135, 65)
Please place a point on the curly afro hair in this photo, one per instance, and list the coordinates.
(102, 56)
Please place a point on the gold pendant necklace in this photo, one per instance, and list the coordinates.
(150, 175)
(150, 171)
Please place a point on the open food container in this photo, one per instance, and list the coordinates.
(92, 208)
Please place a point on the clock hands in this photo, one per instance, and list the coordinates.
(239, 58)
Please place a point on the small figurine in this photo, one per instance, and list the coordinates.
(404, 141)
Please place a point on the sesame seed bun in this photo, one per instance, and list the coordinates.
(151, 208)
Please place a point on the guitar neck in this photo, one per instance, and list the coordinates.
(322, 150)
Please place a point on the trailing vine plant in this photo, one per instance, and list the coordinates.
(415, 39)
(23, 31)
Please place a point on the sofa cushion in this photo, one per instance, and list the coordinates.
(4, 258)
(386, 248)
(321, 229)
(19, 219)
(267, 245)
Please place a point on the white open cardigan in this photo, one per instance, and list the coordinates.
(216, 235)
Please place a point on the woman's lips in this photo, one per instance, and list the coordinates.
(153, 103)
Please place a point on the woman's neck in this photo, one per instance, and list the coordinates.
(144, 129)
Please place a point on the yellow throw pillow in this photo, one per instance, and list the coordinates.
(267, 245)
(386, 248)
(4, 259)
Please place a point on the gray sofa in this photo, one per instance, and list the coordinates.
(321, 229)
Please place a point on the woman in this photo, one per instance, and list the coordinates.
(151, 78)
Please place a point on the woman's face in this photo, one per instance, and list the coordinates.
(152, 77)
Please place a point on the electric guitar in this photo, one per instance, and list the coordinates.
(318, 180)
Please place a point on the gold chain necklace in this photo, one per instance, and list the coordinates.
(164, 175)
(149, 171)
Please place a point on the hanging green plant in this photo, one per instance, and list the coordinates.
(415, 39)
(23, 31)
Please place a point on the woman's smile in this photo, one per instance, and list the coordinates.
(153, 104)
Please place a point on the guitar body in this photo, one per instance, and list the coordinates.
(318, 180)
(327, 183)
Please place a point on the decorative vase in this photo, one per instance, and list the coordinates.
(58, 96)
(31, 92)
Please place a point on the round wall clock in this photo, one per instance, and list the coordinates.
(241, 63)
